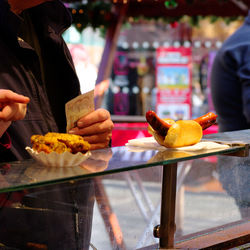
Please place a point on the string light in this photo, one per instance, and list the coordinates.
(186, 44)
(208, 44)
(176, 44)
(131, 19)
(135, 45)
(156, 44)
(197, 44)
(170, 4)
(218, 44)
(145, 45)
(125, 45)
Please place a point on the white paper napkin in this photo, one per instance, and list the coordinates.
(151, 143)
(145, 142)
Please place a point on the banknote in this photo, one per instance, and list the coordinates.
(79, 107)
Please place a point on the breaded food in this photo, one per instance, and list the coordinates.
(59, 142)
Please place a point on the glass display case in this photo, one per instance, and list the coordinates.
(131, 198)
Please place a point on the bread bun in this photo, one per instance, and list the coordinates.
(181, 133)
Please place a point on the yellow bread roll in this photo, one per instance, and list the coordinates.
(183, 133)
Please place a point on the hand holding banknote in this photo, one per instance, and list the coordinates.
(95, 126)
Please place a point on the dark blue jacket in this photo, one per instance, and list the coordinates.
(230, 81)
(35, 62)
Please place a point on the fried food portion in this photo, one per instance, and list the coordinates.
(59, 142)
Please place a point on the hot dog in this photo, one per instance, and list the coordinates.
(181, 133)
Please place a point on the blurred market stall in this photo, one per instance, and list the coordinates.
(138, 35)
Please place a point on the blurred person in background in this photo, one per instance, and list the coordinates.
(230, 89)
(85, 69)
(35, 62)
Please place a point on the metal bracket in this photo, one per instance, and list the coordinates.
(156, 231)
(241, 153)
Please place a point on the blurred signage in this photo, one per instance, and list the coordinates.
(173, 82)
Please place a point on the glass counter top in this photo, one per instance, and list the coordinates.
(29, 173)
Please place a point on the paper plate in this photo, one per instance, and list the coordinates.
(54, 159)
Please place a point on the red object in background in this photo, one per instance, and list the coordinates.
(211, 130)
(123, 132)
(173, 82)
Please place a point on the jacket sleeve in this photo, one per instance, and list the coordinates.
(5, 142)
(243, 74)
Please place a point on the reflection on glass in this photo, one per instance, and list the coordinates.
(98, 161)
(234, 174)
(129, 211)
(215, 192)
(49, 173)
(168, 155)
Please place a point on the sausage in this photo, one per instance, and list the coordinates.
(206, 120)
(157, 123)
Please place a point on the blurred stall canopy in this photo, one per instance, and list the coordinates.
(173, 8)
(102, 13)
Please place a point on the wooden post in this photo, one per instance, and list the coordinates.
(108, 55)
(166, 230)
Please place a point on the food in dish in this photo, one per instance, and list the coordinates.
(54, 159)
(59, 143)
(173, 134)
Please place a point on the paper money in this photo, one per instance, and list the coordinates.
(79, 107)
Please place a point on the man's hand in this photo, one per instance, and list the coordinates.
(96, 128)
(13, 107)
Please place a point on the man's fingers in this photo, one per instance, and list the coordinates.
(99, 138)
(96, 116)
(96, 128)
(8, 112)
(98, 146)
(13, 112)
(10, 96)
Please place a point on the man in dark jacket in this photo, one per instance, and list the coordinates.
(36, 63)
(230, 87)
